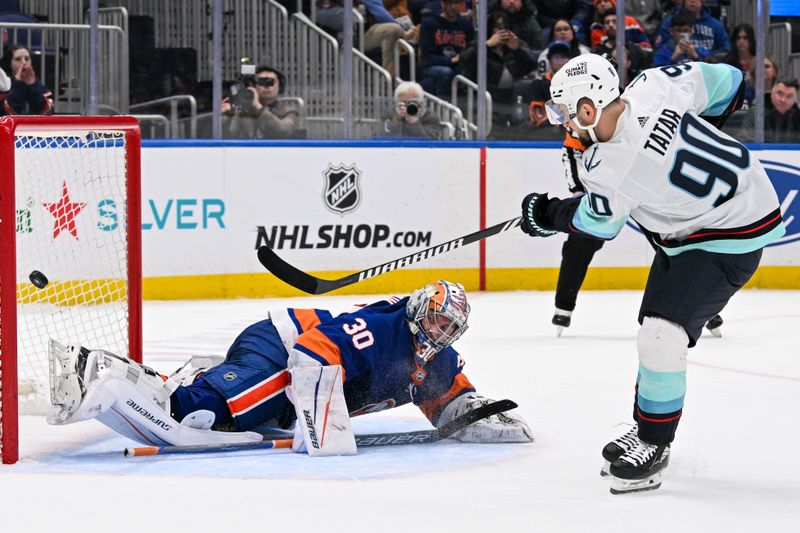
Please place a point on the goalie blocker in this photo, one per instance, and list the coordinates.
(386, 354)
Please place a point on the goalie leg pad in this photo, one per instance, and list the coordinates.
(136, 415)
(323, 420)
(502, 427)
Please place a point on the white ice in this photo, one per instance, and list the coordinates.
(734, 465)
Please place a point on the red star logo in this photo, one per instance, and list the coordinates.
(65, 211)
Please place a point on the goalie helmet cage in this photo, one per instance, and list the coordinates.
(70, 207)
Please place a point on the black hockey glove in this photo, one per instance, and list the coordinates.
(534, 217)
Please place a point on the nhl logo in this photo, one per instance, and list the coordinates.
(342, 191)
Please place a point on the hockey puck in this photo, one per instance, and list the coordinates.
(38, 279)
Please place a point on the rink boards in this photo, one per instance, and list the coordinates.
(333, 209)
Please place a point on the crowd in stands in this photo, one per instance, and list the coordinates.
(528, 40)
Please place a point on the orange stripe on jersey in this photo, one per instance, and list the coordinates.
(307, 318)
(432, 408)
(258, 393)
(319, 344)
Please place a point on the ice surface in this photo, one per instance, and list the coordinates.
(734, 465)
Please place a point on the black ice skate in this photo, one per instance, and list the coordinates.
(713, 326)
(639, 469)
(618, 447)
(561, 320)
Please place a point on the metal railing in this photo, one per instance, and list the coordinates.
(372, 87)
(472, 97)
(57, 11)
(793, 66)
(411, 53)
(449, 114)
(313, 67)
(779, 42)
(62, 52)
(174, 115)
(154, 126)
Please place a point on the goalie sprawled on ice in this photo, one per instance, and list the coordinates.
(299, 367)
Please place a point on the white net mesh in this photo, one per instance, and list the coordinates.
(71, 227)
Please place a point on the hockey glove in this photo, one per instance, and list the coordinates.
(534, 218)
(502, 427)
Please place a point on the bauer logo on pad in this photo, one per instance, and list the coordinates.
(342, 192)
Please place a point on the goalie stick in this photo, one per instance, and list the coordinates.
(314, 285)
(362, 441)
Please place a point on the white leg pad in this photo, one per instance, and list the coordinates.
(662, 345)
(323, 421)
(137, 416)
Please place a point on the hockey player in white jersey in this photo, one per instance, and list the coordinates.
(708, 205)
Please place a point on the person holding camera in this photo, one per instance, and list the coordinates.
(255, 112)
(679, 48)
(410, 119)
(21, 92)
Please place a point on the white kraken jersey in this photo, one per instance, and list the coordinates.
(683, 180)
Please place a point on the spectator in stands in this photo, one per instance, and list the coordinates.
(537, 92)
(771, 73)
(562, 31)
(634, 33)
(743, 47)
(708, 33)
(649, 13)
(782, 122)
(442, 39)
(387, 22)
(410, 117)
(257, 112)
(25, 95)
(577, 12)
(508, 60)
(522, 21)
(679, 48)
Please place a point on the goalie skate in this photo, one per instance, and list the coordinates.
(714, 326)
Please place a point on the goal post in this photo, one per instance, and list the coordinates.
(70, 250)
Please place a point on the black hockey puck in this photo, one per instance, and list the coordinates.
(38, 279)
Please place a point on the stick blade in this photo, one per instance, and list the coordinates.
(485, 411)
(286, 272)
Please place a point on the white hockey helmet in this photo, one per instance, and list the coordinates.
(585, 76)
(437, 315)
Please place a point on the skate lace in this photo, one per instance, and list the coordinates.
(630, 439)
(639, 455)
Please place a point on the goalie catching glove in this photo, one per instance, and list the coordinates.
(502, 427)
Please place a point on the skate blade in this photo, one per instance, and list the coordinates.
(716, 332)
(625, 486)
(604, 470)
(559, 330)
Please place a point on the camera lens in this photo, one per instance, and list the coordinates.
(412, 108)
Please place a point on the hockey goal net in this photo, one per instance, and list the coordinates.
(70, 250)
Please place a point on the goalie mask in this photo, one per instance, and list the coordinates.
(437, 315)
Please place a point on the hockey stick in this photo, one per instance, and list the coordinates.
(314, 285)
(362, 441)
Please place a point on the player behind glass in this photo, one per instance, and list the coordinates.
(281, 369)
(705, 201)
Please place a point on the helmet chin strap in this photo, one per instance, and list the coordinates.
(591, 127)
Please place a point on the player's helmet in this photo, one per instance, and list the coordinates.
(585, 76)
(437, 315)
